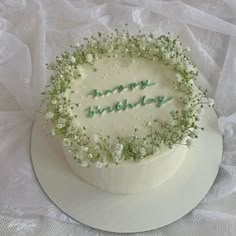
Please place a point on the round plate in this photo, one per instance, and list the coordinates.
(134, 212)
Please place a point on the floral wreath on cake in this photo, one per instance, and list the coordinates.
(101, 150)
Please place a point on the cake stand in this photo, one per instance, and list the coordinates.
(134, 212)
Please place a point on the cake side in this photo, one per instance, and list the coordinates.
(125, 108)
(132, 177)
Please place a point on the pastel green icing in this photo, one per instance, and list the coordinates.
(120, 88)
(123, 106)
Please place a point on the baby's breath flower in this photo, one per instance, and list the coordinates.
(66, 142)
(61, 109)
(49, 115)
(189, 68)
(53, 132)
(69, 111)
(79, 68)
(99, 164)
(142, 151)
(62, 121)
(95, 138)
(85, 149)
(156, 150)
(72, 59)
(116, 154)
(59, 126)
(178, 77)
(89, 58)
(84, 163)
(211, 101)
(188, 49)
(189, 143)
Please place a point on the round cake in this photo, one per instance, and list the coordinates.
(125, 108)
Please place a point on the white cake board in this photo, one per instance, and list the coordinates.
(135, 212)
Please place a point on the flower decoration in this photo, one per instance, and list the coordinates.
(101, 150)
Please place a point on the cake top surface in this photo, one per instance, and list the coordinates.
(132, 89)
(120, 97)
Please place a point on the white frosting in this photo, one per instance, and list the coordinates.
(129, 176)
(120, 71)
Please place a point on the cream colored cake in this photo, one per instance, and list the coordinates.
(132, 177)
(125, 109)
(129, 176)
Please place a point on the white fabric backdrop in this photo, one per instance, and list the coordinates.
(31, 34)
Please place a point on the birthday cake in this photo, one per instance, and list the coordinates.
(125, 109)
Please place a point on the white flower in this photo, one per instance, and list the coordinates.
(189, 68)
(149, 39)
(83, 148)
(90, 155)
(188, 49)
(69, 111)
(211, 102)
(49, 115)
(110, 49)
(178, 45)
(54, 102)
(178, 77)
(189, 143)
(192, 135)
(143, 46)
(116, 154)
(167, 56)
(62, 121)
(59, 126)
(200, 111)
(84, 163)
(60, 96)
(157, 150)
(67, 93)
(82, 75)
(197, 117)
(61, 109)
(72, 59)
(80, 70)
(149, 123)
(89, 58)
(66, 142)
(142, 151)
(124, 39)
(99, 164)
(119, 147)
(53, 132)
(77, 44)
(96, 138)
